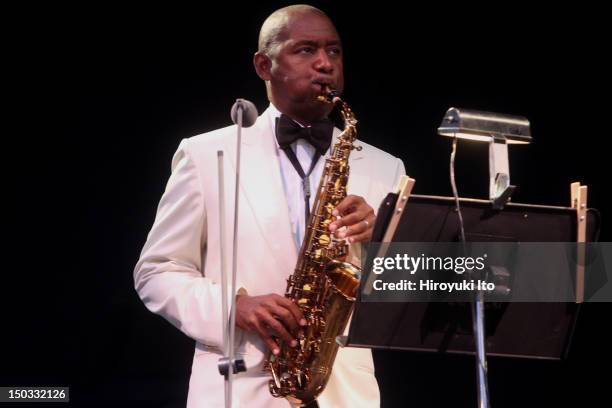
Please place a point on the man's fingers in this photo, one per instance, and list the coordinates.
(357, 225)
(347, 203)
(276, 327)
(353, 211)
(264, 334)
(363, 237)
(286, 317)
(349, 221)
(270, 316)
(295, 311)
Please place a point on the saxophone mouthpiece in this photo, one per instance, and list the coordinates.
(330, 96)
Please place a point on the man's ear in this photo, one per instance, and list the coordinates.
(262, 64)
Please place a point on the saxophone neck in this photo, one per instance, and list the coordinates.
(332, 96)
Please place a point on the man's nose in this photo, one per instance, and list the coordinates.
(323, 62)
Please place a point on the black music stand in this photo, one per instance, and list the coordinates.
(527, 330)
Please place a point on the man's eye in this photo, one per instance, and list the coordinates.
(334, 51)
(306, 50)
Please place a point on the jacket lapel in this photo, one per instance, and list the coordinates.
(262, 187)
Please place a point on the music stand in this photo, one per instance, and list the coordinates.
(527, 330)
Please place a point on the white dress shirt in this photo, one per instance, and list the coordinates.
(292, 182)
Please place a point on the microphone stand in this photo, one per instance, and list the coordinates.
(478, 311)
(228, 364)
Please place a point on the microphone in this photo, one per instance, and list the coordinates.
(248, 110)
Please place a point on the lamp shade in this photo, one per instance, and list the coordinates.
(485, 126)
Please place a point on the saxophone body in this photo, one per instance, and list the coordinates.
(323, 284)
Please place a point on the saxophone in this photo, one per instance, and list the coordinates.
(323, 284)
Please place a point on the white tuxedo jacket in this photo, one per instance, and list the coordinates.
(179, 277)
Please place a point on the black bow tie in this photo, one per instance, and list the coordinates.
(319, 134)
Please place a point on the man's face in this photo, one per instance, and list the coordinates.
(307, 61)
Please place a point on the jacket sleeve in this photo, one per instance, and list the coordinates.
(169, 275)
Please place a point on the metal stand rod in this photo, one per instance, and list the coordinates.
(228, 365)
(223, 369)
(481, 356)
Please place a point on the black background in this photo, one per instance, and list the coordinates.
(100, 98)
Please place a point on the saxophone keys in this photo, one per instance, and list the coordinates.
(338, 184)
(299, 380)
(324, 240)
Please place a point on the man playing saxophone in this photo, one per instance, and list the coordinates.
(299, 58)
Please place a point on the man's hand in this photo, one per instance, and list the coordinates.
(269, 315)
(358, 218)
